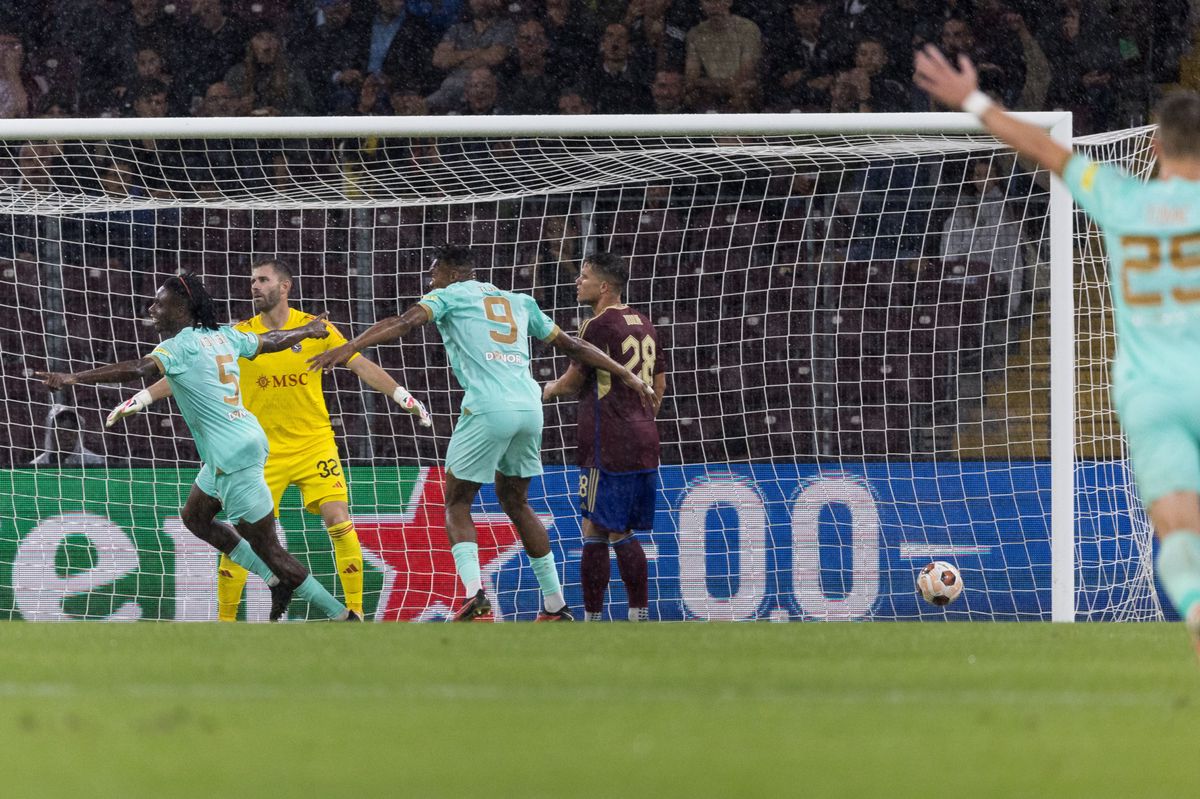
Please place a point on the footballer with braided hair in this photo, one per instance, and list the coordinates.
(199, 358)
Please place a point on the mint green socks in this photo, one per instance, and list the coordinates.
(547, 576)
(466, 561)
(1179, 568)
(322, 600)
(244, 556)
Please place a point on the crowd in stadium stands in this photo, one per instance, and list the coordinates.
(843, 308)
(1103, 59)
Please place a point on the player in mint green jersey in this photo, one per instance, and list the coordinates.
(1152, 234)
(199, 358)
(498, 437)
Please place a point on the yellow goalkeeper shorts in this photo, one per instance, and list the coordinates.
(316, 469)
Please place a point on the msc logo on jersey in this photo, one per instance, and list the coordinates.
(283, 381)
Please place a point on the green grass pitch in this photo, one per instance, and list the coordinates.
(606, 710)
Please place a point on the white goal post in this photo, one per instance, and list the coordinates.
(790, 227)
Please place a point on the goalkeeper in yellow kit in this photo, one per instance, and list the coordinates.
(288, 401)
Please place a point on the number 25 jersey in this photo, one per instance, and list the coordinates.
(1152, 238)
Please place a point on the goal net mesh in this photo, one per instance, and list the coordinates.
(856, 331)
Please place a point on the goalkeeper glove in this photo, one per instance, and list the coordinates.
(413, 405)
(138, 402)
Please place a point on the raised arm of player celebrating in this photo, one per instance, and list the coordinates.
(959, 88)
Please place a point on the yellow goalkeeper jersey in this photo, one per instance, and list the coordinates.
(278, 388)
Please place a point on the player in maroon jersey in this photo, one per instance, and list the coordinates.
(617, 438)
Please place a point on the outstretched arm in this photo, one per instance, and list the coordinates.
(276, 340)
(139, 402)
(373, 375)
(579, 350)
(122, 372)
(959, 88)
(389, 329)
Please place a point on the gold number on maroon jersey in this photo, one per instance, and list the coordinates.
(499, 310)
(641, 356)
(226, 378)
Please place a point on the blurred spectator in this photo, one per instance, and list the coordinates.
(220, 100)
(723, 54)
(668, 93)
(215, 42)
(614, 86)
(327, 49)
(799, 66)
(90, 28)
(572, 102)
(1037, 66)
(873, 88)
(438, 15)
(571, 30)
(373, 96)
(149, 27)
(529, 88)
(483, 41)
(657, 34)
(397, 44)
(408, 103)
(480, 92)
(18, 94)
(851, 20)
(267, 82)
(846, 96)
(1083, 59)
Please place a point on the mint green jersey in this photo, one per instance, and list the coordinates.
(201, 367)
(1152, 236)
(486, 332)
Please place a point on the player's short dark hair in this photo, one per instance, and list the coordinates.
(458, 258)
(1178, 116)
(611, 266)
(281, 269)
(193, 291)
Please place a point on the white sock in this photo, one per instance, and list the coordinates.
(554, 601)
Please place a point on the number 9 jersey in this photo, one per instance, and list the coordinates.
(486, 332)
(617, 432)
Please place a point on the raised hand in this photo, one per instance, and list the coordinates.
(318, 327)
(938, 78)
(645, 391)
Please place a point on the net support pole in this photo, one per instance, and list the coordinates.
(1062, 393)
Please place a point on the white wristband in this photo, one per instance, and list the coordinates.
(143, 399)
(402, 398)
(977, 103)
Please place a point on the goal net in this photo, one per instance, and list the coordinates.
(857, 329)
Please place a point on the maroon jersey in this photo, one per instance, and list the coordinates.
(617, 432)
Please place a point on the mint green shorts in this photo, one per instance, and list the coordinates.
(1163, 430)
(244, 494)
(508, 442)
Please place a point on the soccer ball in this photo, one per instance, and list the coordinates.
(939, 583)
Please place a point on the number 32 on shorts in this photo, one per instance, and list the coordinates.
(329, 468)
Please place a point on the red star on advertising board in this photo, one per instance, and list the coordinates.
(420, 582)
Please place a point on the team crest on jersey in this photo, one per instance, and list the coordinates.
(295, 348)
